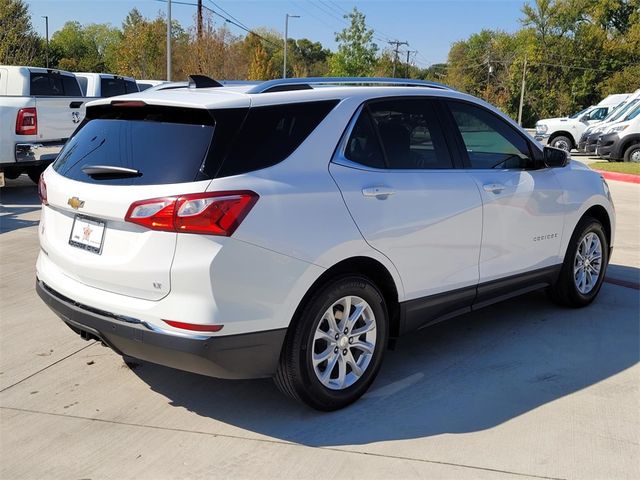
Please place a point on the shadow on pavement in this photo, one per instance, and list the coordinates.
(465, 375)
(18, 197)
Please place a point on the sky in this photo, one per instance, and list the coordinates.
(429, 26)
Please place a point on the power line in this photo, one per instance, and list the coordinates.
(232, 22)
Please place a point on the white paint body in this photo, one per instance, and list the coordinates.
(439, 231)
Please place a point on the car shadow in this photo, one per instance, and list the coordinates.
(18, 197)
(465, 375)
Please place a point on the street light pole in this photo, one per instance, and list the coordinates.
(286, 37)
(169, 40)
(46, 28)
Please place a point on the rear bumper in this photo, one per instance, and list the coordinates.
(38, 152)
(252, 355)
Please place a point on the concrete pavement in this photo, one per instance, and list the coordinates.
(520, 389)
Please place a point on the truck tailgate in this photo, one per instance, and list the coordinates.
(58, 117)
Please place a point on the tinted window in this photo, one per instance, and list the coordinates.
(71, 87)
(598, 114)
(163, 152)
(490, 142)
(131, 86)
(363, 146)
(144, 86)
(83, 85)
(110, 87)
(270, 134)
(410, 134)
(46, 84)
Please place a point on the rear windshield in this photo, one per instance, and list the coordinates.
(51, 84)
(176, 145)
(162, 152)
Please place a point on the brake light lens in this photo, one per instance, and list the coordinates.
(27, 121)
(42, 190)
(212, 213)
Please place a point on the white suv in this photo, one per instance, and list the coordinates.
(295, 228)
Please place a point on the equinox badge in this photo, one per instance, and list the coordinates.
(75, 203)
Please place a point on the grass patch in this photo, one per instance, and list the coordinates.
(620, 167)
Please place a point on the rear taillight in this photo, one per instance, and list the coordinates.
(213, 213)
(42, 190)
(27, 121)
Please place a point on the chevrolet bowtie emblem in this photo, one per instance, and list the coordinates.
(75, 203)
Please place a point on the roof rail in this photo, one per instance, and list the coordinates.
(284, 84)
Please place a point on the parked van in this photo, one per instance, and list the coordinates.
(565, 132)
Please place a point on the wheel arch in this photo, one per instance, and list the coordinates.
(563, 133)
(600, 213)
(369, 267)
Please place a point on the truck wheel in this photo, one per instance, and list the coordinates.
(34, 173)
(334, 350)
(11, 173)
(584, 266)
(562, 142)
(632, 154)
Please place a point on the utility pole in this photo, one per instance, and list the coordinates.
(395, 57)
(409, 52)
(168, 40)
(524, 72)
(46, 28)
(286, 37)
(199, 23)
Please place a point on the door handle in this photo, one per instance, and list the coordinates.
(378, 192)
(493, 187)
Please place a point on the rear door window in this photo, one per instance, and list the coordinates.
(410, 133)
(165, 146)
(71, 87)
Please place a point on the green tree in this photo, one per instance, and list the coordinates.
(308, 59)
(19, 44)
(356, 55)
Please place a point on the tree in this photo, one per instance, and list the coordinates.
(260, 65)
(356, 55)
(19, 44)
(308, 59)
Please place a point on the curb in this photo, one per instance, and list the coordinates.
(620, 177)
(622, 283)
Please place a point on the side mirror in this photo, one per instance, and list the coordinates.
(584, 118)
(555, 157)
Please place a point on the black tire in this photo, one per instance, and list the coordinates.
(560, 141)
(34, 173)
(633, 150)
(565, 291)
(296, 376)
(11, 174)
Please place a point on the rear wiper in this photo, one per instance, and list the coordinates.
(110, 171)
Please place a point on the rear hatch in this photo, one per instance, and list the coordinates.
(162, 151)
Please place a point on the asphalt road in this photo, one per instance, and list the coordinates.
(520, 389)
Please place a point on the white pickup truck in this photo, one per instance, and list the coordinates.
(39, 110)
(102, 85)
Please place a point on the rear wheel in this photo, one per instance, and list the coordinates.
(335, 348)
(562, 142)
(632, 154)
(584, 265)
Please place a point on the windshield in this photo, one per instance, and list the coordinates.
(617, 114)
(634, 113)
(576, 115)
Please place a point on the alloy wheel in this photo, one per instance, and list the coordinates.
(344, 343)
(587, 264)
